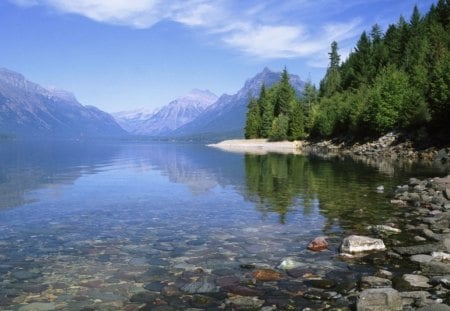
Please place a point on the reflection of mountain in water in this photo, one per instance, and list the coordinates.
(198, 167)
(29, 166)
(34, 165)
(342, 190)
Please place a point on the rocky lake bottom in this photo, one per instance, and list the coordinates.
(169, 227)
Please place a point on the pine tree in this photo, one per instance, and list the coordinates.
(363, 63)
(297, 123)
(253, 121)
(266, 113)
(280, 127)
(332, 81)
(308, 100)
(285, 95)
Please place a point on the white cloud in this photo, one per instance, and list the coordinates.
(260, 30)
(266, 41)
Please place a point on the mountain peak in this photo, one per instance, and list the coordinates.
(206, 97)
(62, 94)
(7, 73)
(30, 110)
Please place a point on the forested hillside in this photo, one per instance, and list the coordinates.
(398, 79)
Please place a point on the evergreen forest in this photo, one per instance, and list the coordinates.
(397, 79)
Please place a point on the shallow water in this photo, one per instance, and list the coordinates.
(114, 226)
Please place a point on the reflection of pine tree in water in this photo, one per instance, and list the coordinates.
(344, 191)
(272, 183)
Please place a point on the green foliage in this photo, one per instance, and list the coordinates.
(253, 120)
(285, 95)
(296, 129)
(396, 80)
(277, 114)
(386, 100)
(280, 128)
(332, 81)
(399, 79)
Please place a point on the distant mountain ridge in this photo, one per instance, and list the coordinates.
(226, 117)
(30, 110)
(130, 120)
(176, 114)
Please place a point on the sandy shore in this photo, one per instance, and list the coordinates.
(258, 146)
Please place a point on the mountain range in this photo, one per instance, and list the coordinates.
(30, 110)
(200, 115)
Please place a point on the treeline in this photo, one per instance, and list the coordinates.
(277, 113)
(393, 80)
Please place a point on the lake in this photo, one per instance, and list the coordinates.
(123, 226)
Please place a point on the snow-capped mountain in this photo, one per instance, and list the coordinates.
(170, 117)
(131, 120)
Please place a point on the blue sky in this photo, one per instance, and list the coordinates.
(127, 54)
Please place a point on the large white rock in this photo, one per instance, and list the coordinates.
(359, 243)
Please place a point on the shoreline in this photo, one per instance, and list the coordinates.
(258, 146)
(392, 146)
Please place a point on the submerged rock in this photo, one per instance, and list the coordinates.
(318, 244)
(384, 229)
(379, 299)
(38, 306)
(357, 243)
(435, 307)
(267, 275)
(244, 303)
(200, 287)
(289, 264)
(375, 282)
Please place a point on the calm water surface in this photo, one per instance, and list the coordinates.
(113, 226)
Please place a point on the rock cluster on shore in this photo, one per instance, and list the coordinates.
(390, 146)
(405, 268)
(427, 287)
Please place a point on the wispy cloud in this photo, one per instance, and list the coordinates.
(264, 30)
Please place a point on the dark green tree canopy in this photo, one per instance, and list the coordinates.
(397, 80)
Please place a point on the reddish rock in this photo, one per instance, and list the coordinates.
(226, 281)
(267, 275)
(318, 244)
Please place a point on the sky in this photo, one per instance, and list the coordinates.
(129, 54)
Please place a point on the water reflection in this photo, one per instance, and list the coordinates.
(26, 166)
(198, 167)
(344, 190)
(130, 218)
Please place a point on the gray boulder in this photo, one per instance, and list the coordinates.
(435, 307)
(379, 299)
(358, 243)
(416, 280)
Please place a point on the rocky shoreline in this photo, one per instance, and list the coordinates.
(392, 146)
(425, 245)
(403, 265)
(410, 254)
